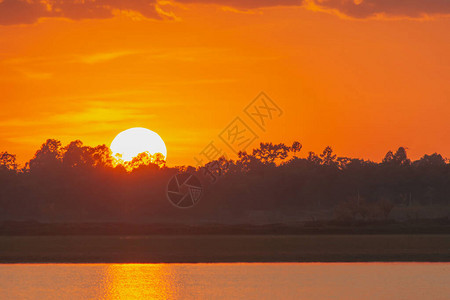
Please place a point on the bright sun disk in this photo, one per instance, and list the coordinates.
(129, 143)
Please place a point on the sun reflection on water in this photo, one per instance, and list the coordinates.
(139, 281)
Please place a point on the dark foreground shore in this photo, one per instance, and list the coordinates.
(225, 248)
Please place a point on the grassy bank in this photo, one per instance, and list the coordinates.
(33, 228)
(225, 248)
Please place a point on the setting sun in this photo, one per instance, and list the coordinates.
(309, 149)
(129, 143)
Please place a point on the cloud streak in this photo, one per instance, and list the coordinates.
(362, 9)
(30, 11)
(102, 57)
(359, 9)
(247, 4)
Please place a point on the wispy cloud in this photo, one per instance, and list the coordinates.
(105, 56)
(89, 58)
(104, 113)
(93, 121)
(14, 12)
(36, 75)
(40, 67)
(356, 9)
(45, 67)
(171, 54)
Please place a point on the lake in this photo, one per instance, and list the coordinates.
(226, 281)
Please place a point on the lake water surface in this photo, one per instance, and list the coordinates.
(226, 281)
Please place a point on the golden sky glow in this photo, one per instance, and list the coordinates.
(361, 76)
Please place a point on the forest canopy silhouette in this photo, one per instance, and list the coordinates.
(78, 183)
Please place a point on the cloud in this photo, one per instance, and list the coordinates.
(102, 57)
(247, 4)
(30, 11)
(85, 116)
(91, 58)
(358, 9)
(37, 75)
(385, 8)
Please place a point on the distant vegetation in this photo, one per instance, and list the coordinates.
(77, 183)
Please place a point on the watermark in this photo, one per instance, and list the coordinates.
(236, 137)
(262, 109)
(184, 190)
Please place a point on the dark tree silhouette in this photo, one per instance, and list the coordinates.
(8, 161)
(327, 156)
(399, 158)
(82, 183)
(48, 156)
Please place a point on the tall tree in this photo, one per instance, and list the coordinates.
(49, 155)
(8, 161)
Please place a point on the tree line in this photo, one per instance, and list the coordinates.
(78, 183)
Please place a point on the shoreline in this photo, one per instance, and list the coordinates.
(226, 248)
(387, 227)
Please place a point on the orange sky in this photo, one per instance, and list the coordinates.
(361, 76)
